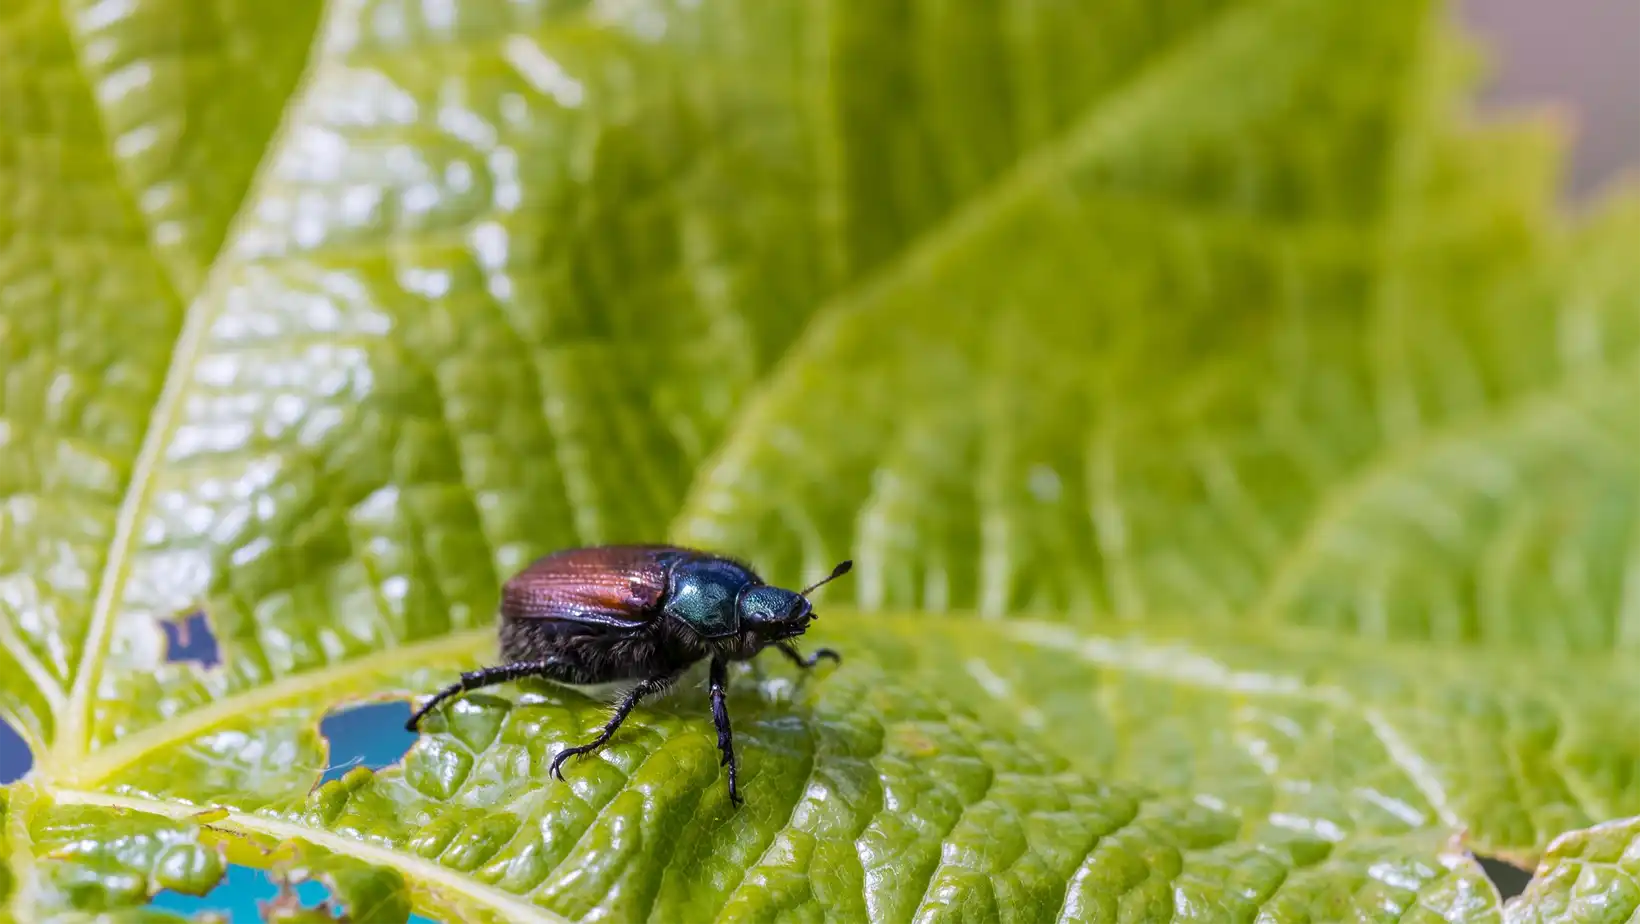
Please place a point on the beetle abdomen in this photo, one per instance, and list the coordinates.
(585, 655)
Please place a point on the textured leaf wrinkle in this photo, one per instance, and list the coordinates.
(300, 688)
(812, 758)
(967, 803)
(1022, 180)
(1189, 669)
(841, 778)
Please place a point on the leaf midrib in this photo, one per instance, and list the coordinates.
(102, 765)
(1028, 174)
(1176, 661)
(73, 733)
(1128, 655)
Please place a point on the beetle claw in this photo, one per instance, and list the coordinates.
(558, 761)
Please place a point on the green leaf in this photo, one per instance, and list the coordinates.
(1586, 875)
(1236, 448)
(359, 890)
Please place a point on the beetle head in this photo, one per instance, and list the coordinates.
(775, 613)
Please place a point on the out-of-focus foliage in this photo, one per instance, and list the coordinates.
(1237, 448)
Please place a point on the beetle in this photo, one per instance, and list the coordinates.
(644, 613)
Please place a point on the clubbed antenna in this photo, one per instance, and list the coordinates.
(837, 572)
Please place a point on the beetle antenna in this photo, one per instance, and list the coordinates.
(837, 572)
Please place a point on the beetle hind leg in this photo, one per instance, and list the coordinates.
(647, 687)
(484, 677)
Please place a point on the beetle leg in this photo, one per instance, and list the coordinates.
(484, 677)
(790, 651)
(720, 717)
(646, 687)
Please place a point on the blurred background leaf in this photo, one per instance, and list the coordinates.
(1235, 443)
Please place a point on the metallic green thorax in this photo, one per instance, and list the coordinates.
(715, 596)
(704, 593)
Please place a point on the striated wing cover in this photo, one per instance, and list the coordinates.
(618, 586)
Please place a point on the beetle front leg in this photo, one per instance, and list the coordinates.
(646, 687)
(720, 717)
(790, 651)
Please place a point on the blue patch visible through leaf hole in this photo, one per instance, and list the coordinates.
(191, 639)
(240, 891)
(371, 736)
(15, 756)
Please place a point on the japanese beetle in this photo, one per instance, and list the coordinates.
(643, 613)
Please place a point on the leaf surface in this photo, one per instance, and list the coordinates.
(1586, 875)
(1279, 431)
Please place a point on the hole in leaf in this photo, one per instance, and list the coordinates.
(242, 892)
(1509, 879)
(15, 756)
(191, 639)
(371, 736)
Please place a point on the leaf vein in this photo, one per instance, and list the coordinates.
(1028, 174)
(603, 810)
(122, 182)
(1411, 764)
(103, 764)
(1087, 857)
(31, 665)
(73, 734)
(1205, 673)
(791, 814)
(939, 863)
(513, 909)
(1351, 494)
